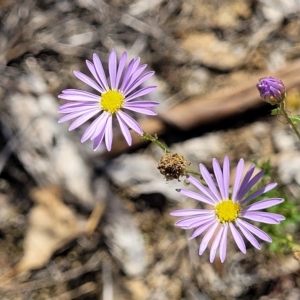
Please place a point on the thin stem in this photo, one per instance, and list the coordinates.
(294, 127)
(191, 171)
(153, 139)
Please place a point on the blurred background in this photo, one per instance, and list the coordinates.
(78, 224)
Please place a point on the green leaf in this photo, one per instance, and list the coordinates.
(275, 111)
(295, 119)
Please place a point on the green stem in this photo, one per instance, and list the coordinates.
(294, 127)
(153, 139)
(191, 171)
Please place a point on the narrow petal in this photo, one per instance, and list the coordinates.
(79, 121)
(223, 244)
(238, 238)
(193, 222)
(259, 192)
(249, 236)
(98, 139)
(219, 177)
(112, 67)
(237, 179)
(263, 204)
(121, 67)
(189, 212)
(144, 103)
(196, 196)
(78, 108)
(135, 73)
(130, 122)
(202, 228)
(207, 177)
(250, 184)
(128, 73)
(207, 238)
(108, 133)
(74, 115)
(141, 110)
(100, 71)
(92, 69)
(125, 130)
(255, 230)
(245, 181)
(202, 188)
(93, 127)
(87, 80)
(101, 125)
(263, 217)
(215, 245)
(138, 82)
(141, 92)
(82, 97)
(226, 178)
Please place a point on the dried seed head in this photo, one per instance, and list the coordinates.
(172, 166)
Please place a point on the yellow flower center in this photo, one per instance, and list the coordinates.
(111, 101)
(227, 211)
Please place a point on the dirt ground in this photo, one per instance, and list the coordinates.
(78, 224)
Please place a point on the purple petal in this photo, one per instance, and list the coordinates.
(196, 196)
(79, 121)
(245, 181)
(140, 110)
(87, 80)
(141, 92)
(131, 123)
(237, 179)
(219, 177)
(238, 238)
(128, 73)
(125, 130)
(74, 105)
(263, 204)
(112, 67)
(193, 222)
(203, 189)
(92, 69)
(258, 232)
(100, 71)
(145, 104)
(215, 245)
(259, 192)
(135, 73)
(202, 228)
(121, 67)
(205, 174)
(96, 124)
(101, 125)
(263, 217)
(226, 176)
(207, 238)
(79, 108)
(138, 82)
(74, 115)
(108, 133)
(189, 212)
(223, 243)
(249, 236)
(82, 97)
(98, 139)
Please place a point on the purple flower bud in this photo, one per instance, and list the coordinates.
(272, 90)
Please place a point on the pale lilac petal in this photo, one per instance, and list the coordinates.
(202, 188)
(82, 107)
(74, 115)
(93, 127)
(145, 103)
(135, 73)
(263, 204)
(92, 69)
(89, 81)
(112, 67)
(121, 67)
(237, 180)
(99, 138)
(255, 230)
(223, 243)
(202, 228)
(194, 222)
(128, 73)
(259, 192)
(125, 130)
(207, 237)
(249, 236)
(207, 177)
(75, 104)
(141, 92)
(100, 71)
(215, 245)
(189, 212)
(226, 177)
(145, 111)
(79, 121)
(219, 177)
(130, 122)
(245, 181)
(100, 125)
(108, 133)
(250, 184)
(238, 238)
(82, 97)
(138, 82)
(196, 196)
(263, 217)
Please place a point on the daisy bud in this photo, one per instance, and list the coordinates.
(272, 90)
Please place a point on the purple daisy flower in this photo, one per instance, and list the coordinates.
(228, 209)
(272, 90)
(117, 93)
